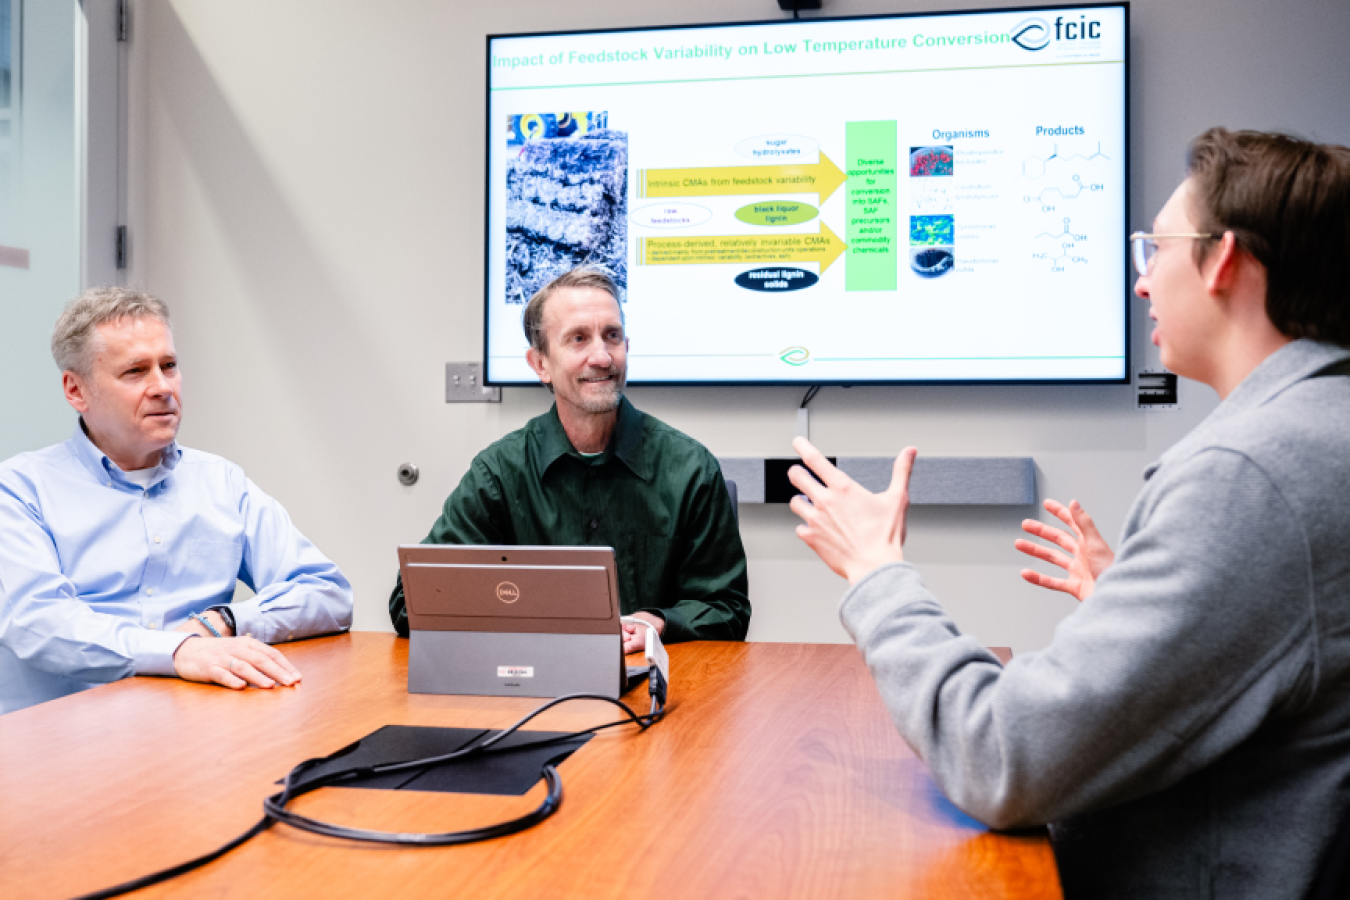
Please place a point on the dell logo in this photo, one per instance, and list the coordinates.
(1032, 34)
(508, 592)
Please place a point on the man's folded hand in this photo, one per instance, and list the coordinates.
(235, 662)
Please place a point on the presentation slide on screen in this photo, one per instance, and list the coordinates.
(899, 199)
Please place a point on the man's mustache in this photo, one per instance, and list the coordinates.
(598, 374)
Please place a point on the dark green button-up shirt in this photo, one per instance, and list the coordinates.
(655, 495)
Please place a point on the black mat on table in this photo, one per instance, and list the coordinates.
(507, 772)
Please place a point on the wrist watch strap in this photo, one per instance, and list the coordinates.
(227, 614)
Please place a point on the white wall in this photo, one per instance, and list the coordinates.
(306, 193)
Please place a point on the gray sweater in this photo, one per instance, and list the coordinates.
(1187, 731)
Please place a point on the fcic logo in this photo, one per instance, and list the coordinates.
(795, 356)
(508, 592)
(1082, 30)
(1031, 34)
(1036, 34)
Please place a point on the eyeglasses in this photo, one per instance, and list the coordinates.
(1145, 246)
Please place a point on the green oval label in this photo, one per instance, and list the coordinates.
(777, 213)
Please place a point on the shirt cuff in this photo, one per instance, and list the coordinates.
(248, 619)
(882, 592)
(676, 630)
(154, 655)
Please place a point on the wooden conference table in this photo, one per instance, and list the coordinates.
(775, 774)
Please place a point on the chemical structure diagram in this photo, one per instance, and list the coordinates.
(1071, 194)
(1063, 255)
(1035, 167)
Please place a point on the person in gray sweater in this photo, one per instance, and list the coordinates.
(1187, 731)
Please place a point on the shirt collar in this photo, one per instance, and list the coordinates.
(97, 462)
(626, 444)
(1283, 369)
(1287, 366)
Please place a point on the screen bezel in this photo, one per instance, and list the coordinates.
(800, 382)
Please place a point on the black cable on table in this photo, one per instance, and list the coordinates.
(276, 806)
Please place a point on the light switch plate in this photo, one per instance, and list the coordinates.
(464, 384)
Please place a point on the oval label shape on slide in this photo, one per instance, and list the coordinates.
(671, 215)
(777, 213)
(776, 279)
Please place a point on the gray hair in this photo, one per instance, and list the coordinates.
(581, 277)
(72, 338)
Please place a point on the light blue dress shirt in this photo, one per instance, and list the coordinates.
(96, 571)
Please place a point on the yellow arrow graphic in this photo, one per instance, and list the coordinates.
(823, 248)
(793, 178)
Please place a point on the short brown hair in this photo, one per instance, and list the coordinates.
(1287, 201)
(581, 277)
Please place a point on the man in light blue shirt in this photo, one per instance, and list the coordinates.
(119, 546)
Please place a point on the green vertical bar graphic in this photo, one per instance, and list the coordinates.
(873, 251)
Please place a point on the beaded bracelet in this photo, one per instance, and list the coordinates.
(207, 622)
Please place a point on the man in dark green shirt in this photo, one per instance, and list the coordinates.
(594, 470)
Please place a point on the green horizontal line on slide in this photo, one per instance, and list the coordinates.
(633, 356)
(538, 87)
(943, 358)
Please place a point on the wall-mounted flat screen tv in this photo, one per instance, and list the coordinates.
(881, 200)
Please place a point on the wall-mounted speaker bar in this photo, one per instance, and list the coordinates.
(937, 480)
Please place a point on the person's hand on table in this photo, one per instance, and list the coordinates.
(235, 662)
(851, 529)
(635, 636)
(1088, 554)
(192, 626)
